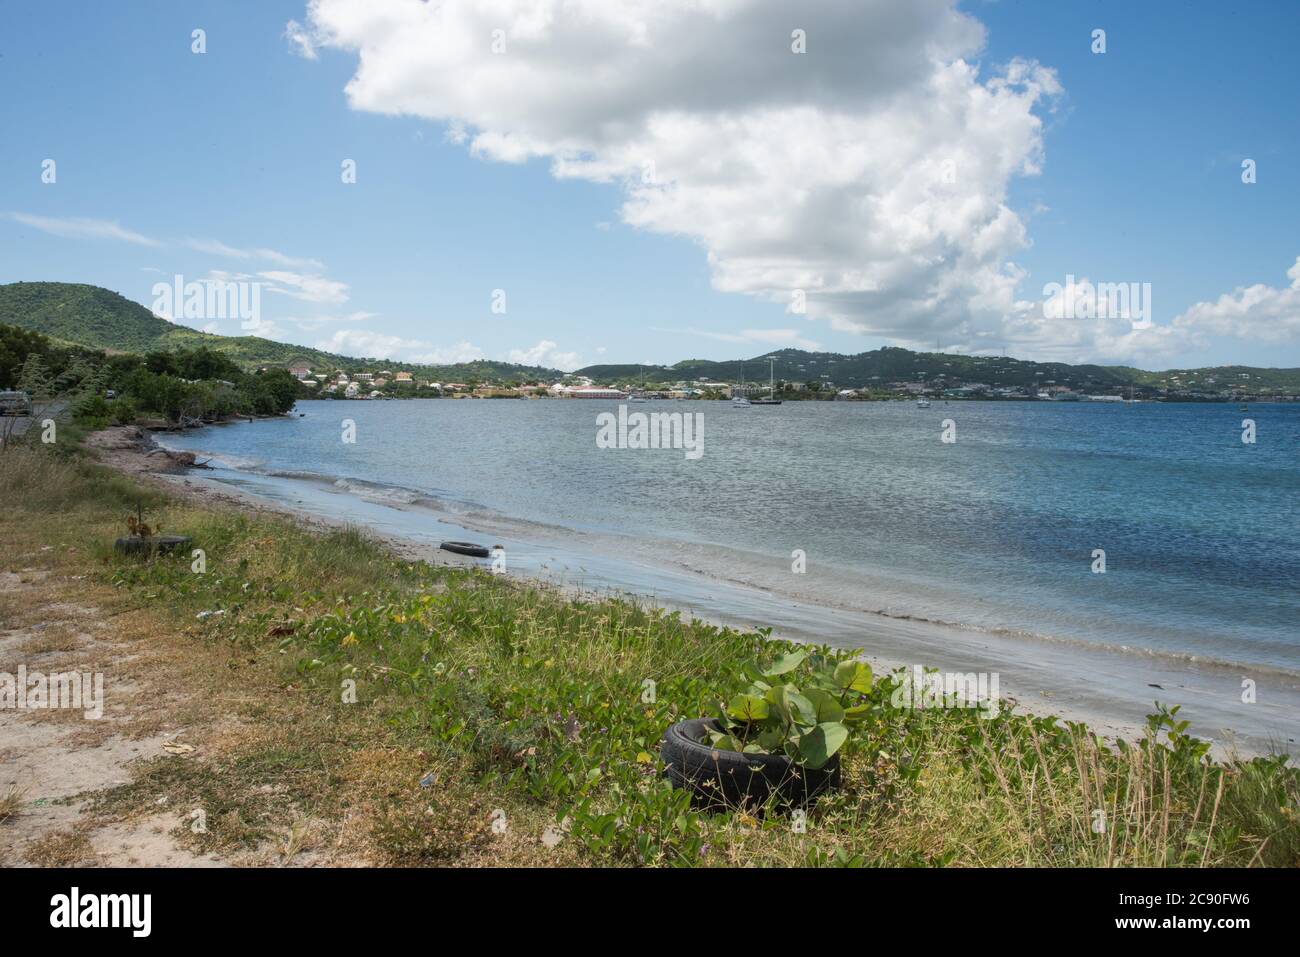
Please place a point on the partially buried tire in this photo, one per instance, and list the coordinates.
(465, 548)
(720, 779)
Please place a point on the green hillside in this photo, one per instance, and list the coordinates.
(882, 366)
(91, 316)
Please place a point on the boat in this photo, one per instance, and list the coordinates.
(740, 401)
(771, 387)
(923, 403)
(639, 396)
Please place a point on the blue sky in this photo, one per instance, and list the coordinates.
(1139, 180)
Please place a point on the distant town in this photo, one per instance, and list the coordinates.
(397, 383)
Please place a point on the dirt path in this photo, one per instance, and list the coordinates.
(52, 759)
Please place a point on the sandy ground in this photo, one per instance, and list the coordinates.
(52, 761)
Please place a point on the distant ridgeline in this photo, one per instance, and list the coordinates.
(76, 314)
(880, 368)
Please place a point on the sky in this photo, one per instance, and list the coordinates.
(591, 181)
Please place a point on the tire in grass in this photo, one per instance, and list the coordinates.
(720, 779)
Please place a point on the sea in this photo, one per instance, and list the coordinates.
(1101, 556)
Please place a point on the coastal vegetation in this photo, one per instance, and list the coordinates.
(180, 387)
(370, 706)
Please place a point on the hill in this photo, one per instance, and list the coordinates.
(77, 314)
(882, 366)
(97, 318)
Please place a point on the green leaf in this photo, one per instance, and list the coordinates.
(798, 705)
(853, 676)
(826, 706)
(785, 663)
(817, 746)
(857, 713)
(747, 707)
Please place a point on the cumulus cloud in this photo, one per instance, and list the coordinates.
(870, 173)
(378, 345)
(1260, 312)
(545, 353)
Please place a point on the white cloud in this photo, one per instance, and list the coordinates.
(871, 171)
(218, 248)
(77, 227)
(545, 353)
(1261, 313)
(782, 338)
(300, 40)
(370, 344)
(306, 288)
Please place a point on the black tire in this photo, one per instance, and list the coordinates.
(729, 779)
(465, 548)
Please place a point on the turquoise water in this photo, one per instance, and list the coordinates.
(995, 531)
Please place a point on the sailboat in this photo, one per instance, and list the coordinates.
(739, 401)
(639, 396)
(771, 387)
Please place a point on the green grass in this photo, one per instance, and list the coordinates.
(526, 705)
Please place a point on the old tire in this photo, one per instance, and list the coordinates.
(730, 779)
(465, 548)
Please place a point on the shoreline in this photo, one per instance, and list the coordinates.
(1094, 694)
